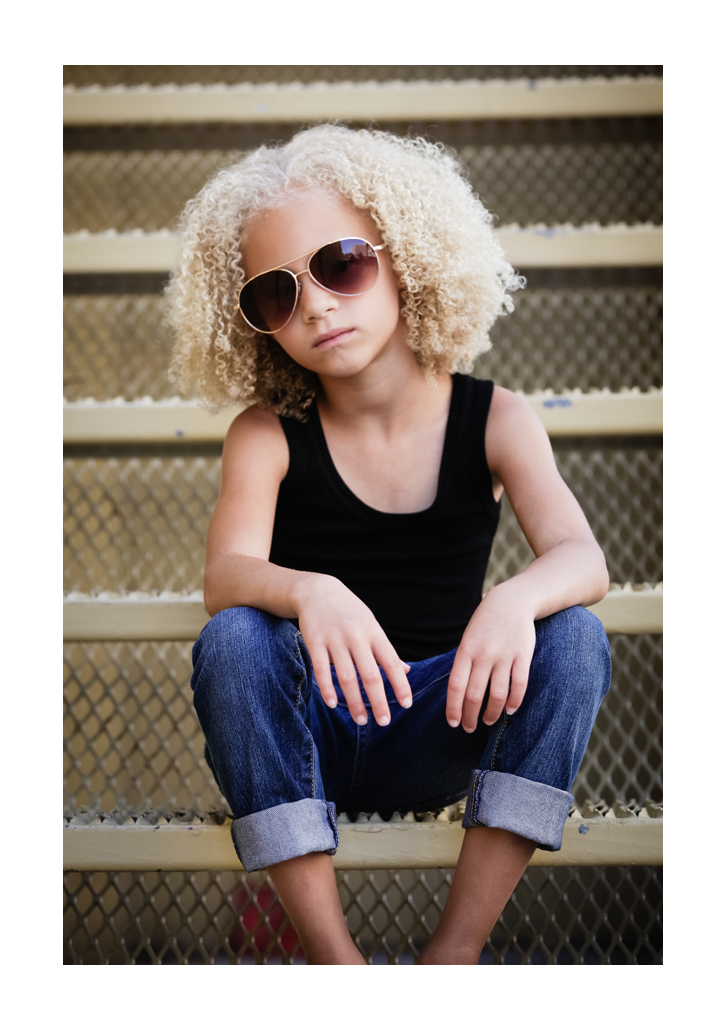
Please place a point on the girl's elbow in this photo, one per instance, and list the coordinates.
(602, 578)
(210, 598)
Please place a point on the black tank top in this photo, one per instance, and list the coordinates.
(420, 573)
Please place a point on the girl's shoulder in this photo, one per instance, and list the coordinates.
(255, 437)
(501, 404)
(514, 433)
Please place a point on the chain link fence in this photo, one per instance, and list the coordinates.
(562, 338)
(525, 183)
(560, 915)
(139, 524)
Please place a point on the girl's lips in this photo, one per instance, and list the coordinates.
(330, 340)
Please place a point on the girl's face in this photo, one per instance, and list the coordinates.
(330, 334)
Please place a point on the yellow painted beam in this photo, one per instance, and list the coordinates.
(365, 845)
(295, 102)
(131, 619)
(139, 617)
(598, 412)
(628, 610)
(588, 246)
(86, 252)
(138, 422)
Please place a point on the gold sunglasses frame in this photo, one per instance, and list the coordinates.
(309, 254)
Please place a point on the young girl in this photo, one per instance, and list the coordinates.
(338, 286)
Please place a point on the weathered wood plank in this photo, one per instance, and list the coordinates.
(448, 100)
(525, 247)
(624, 611)
(364, 845)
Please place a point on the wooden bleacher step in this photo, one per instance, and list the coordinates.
(527, 247)
(171, 616)
(622, 834)
(143, 420)
(594, 97)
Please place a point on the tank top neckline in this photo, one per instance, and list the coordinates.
(342, 488)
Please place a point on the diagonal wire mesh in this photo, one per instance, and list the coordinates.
(598, 915)
(523, 183)
(117, 345)
(139, 524)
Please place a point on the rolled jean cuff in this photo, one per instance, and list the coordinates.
(536, 811)
(284, 831)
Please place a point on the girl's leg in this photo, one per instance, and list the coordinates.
(489, 867)
(519, 797)
(254, 693)
(307, 889)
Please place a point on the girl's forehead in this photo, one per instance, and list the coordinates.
(305, 221)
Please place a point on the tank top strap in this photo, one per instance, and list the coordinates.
(302, 448)
(464, 460)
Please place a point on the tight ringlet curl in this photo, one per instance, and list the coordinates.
(454, 277)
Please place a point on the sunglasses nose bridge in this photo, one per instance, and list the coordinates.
(314, 302)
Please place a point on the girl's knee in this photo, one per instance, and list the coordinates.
(243, 657)
(239, 630)
(572, 644)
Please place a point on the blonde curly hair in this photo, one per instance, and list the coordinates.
(455, 280)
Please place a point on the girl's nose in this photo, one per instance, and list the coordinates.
(315, 301)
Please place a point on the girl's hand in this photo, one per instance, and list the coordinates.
(497, 646)
(338, 628)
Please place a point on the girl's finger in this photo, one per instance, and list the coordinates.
(458, 682)
(519, 683)
(349, 684)
(396, 672)
(474, 694)
(372, 683)
(500, 680)
(322, 670)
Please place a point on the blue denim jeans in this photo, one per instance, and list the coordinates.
(287, 763)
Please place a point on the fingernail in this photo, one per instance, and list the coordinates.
(407, 703)
(453, 723)
(383, 721)
(331, 702)
(361, 720)
(510, 712)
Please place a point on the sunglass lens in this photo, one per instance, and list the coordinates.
(268, 300)
(346, 266)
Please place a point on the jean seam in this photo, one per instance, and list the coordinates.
(476, 783)
(498, 740)
(296, 636)
(353, 769)
(362, 736)
(429, 684)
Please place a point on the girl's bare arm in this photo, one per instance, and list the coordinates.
(336, 625)
(569, 568)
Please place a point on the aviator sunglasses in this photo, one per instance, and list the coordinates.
(349, 267)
